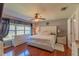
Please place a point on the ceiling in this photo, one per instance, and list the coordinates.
(50, 11)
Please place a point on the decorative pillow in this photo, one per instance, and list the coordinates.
(44, 33)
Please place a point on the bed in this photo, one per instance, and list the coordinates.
(45, 39)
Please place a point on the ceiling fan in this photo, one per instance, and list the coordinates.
(37, 17)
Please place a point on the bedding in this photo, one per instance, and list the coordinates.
(42, 40)
(45, 39)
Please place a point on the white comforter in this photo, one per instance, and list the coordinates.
(43, 37)
(42, 41)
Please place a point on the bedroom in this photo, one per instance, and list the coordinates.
(37, 29)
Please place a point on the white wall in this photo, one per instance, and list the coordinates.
(61, 24)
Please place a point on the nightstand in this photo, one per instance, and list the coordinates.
(61, 39)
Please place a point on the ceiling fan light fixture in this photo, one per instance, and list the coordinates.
(36, 20)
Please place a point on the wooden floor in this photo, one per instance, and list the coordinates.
(26, 50)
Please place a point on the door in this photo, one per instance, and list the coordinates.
(70, 33)
(74, 35)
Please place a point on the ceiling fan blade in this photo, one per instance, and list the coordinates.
(42, 18)
(32, 19)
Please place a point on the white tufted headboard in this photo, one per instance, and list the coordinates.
(48, 29)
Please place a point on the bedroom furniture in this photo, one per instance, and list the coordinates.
(45, 39)
(59, 47)
(46, 42)
(62, 39)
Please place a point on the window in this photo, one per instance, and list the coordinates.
(20, 33)
(12, 26)
(11, 33)
(28, 30)
(27, 27)
(19, 29)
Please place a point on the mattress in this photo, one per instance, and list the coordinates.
(43, 40)
(38, 41)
